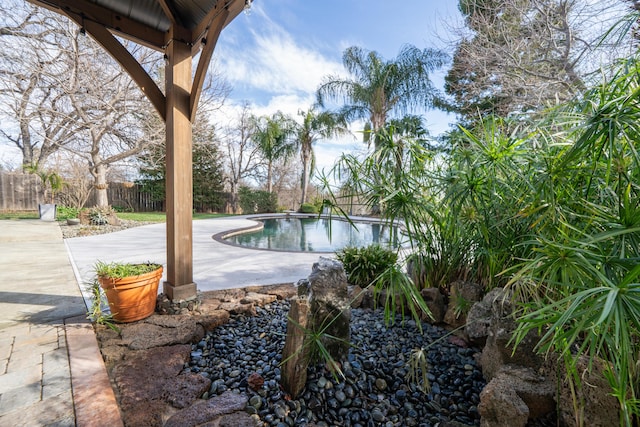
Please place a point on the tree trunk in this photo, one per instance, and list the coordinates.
(306, 158)
(234, 198)
(100, 184)
(269, 173)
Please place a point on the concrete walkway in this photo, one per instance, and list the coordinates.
(215, 265)
(51, 370)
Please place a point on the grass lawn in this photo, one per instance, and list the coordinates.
(19, 215)
(161, 216)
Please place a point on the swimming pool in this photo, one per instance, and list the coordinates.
(313, 234)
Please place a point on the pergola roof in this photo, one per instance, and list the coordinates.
(148, 22)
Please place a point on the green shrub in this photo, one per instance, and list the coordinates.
(308, 208)
(120, 209)
(364, 265)
(318, 202)
(65, 212)
(257, 201)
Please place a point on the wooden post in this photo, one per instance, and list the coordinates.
(179, 284)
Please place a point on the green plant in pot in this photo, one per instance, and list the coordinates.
(131, 288)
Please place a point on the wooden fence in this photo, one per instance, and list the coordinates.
(20, 191)
(23, 192)
(129, 199)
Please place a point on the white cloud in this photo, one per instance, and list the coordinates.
(274, 62)
(284, 73)
(288, 104)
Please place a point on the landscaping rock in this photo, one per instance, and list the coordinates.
(282, 292)
(600, 408)
(330, 306)
(435, 302)
(462, 295)
(214, 411)
(295, 352)
(257, 298)
(209, 305)
(159, 331)
(535, 391)
(236, 419)
(236, 307)
(500, 406)
(147, 377)
(479, 318)
(226, 295)
(213, 319)
(361, 298)
(356, 295)
(497, 351)
(255, 381)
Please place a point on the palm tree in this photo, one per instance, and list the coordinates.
(379, 88)
(274, 137)
(315, 125)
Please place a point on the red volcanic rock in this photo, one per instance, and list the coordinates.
(255, 381)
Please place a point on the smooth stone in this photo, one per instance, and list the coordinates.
(381, 384)
(255, 401)
(377, 415)
(322, 382)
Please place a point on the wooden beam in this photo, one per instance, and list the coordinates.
(130, 64)
(205, 58)
(85, 11)
(231, 7)
(179, 185)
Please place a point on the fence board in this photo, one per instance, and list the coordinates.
(20, 191)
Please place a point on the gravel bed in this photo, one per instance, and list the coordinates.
(374, 392)
(69, 231)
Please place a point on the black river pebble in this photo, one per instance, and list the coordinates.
(374, 392)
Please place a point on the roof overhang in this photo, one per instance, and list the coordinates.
(151, 23)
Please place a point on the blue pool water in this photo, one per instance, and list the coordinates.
(297, 234)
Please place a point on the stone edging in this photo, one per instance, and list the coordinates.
(93, 398)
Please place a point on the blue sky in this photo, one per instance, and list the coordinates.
(275, 56)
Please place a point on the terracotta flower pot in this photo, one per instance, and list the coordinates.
(132, 298)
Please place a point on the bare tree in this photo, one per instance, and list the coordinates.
(34, 81)
(286, 177)
(242, 154)
(520, 55)
(79, 182)
(110, 108)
